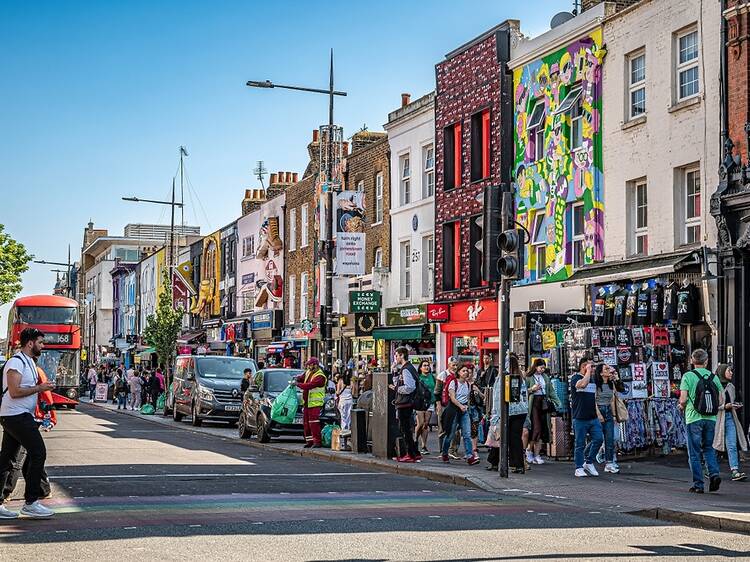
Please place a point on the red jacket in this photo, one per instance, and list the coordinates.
(45, 397)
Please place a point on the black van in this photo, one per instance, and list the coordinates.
(207, 387)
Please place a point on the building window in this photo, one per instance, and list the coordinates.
(573, 107)
(303, 296)
(475, 251)
(377, 261)
(361, 185)
(453, 157)
(535, 130)
(292, 297)
(451, 256)
(480, 145)
(688, 83)
(404, 167)
(428, 265)
(292, 230)
(405, 292)
(579, 238)
(692, 209)
(378, 198)
(428, 171)
(637, 84)
(638, 195)
(539, 246)
(303, 226)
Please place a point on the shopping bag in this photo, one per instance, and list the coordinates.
(284, 408)
(160, 402)
(327, 433)
(147, 410)
(491, 437)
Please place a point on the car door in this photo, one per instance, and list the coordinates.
(178, 378)
(254, 400)
(189, 384)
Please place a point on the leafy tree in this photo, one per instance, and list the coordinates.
(163, 327)
(14, 261)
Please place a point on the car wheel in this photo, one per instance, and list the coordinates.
(263, 435)
(176, 416)
(242, 429)
(197, 421)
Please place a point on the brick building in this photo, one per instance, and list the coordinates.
(469, 154)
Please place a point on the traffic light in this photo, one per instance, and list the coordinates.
(491, 228)
(512, 245)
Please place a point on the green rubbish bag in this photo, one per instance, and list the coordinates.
(326, 434)
(284, 408)
(147, 410)
(160, 401)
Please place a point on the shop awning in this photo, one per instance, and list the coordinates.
(399, 333)
(278, 346)
(191, 337)
(146, 352)
(632, 269)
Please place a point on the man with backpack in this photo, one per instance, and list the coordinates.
(701, 396)
(405, 383)
(441, 392)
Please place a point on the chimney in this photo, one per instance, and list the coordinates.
(315, 135)
(294, 177)
(345, 149)
(405, 98)
(273, 179)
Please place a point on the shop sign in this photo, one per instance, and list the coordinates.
(438, 313)
(536, 306)
(474, 311)
(262, 320)
(306, 326)
(248, 279)
(405, 315)
(364, 322)
(364, 301)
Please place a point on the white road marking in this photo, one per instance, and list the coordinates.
(61, 531)
(195, 525)
(434, 516)
(130, 528)
(257, 523)
(215, 474)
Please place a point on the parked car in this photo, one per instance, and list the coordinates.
(255, 417)
(207, 388)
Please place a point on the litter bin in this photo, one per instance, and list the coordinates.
(359, 431)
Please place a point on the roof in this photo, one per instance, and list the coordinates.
(424, 103)
(46, 300)
(507, 24)
(632, 269)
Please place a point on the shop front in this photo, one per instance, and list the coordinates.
(265, 328)
(300, 341)
(405, 326)
(469, 332)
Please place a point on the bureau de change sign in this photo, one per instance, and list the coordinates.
(364, 301)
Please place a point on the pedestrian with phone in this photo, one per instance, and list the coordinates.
(20, 387)
(729, 434)
(586, 423)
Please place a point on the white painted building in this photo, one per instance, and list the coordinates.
(411, 136)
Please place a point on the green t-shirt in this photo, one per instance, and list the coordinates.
(689, 382)
(429, 381)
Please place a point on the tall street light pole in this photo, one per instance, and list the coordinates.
(68, 267)
(326, 309)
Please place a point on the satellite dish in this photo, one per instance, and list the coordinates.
(560, 18)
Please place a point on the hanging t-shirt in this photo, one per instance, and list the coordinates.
(687, 304)
(631, 305)
(657, 304)
(644, 307)
(670, 301)
(619, 315)
(609, 309)
(607, 337)
(599, 304)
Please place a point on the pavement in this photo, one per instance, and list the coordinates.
(133, 487)
(655, 488)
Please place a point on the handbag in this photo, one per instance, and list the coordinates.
(619, 409)
(492, 440)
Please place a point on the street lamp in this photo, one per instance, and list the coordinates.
(326, 310)
(68, 267)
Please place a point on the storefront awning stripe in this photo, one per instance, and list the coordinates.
(400, 333)
(146, 352)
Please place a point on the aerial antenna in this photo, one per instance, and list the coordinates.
(183, 153)
(260, 171)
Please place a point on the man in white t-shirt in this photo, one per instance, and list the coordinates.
(20, 386)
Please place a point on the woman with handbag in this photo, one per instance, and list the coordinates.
(517, 414)
(608, 384)
(543, 401)
(729, 434)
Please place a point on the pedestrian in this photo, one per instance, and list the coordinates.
(313, 385)
(701, 402)
(423, 417)
(476, 409)
(93, 378)
(345, 399)
(146, 388)
(246, 381)
(489, 372)
(607, 382)
(440, 380)
(136, 386)
(457, 411)
(517, 413)
(543, 400)
(157, 386)
(585, 421)
(121, 389)
(20, 387)
(728, 428)
(405, 383)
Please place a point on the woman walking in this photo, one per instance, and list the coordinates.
(135, 391)
(345, 399)
(423, 416)
(607, 383)
(457, 411)
(517, 414)
(728, 429)
(542, 400)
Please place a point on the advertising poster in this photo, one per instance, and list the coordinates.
(350, 233)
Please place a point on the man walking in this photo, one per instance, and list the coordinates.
(405, 383)
(585, 421)
(20, 387)
(440, 379)
(313, 385)
(701, 396)
(93, 378)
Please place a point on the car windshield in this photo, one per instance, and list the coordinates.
(276, 380)
(57, 363)
(231, 368)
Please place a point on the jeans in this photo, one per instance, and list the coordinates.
(582, 429)
(700, 436)
(730, 438)
(23, 431)
(20, 465)
(121, 400)
(462, 420)
(406, 425)
(345, 409)
(92, 391)
(608, 428)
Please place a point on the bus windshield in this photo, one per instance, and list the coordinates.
(47, 315)
(218, 367)
(59, 365)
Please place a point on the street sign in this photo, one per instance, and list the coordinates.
(101, 392)
(364, 301)
(84, 354)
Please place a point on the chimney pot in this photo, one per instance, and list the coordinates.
(272, 181)
(294, 177)
(247, 193)
(405, 98)
(287, 177)
(315, 135)
(281, 177)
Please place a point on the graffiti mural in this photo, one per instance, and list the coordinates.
(558, 160)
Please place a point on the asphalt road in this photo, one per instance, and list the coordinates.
(126, 489)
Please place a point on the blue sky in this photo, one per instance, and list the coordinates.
(97, 97)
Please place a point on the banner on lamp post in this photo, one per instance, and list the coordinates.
(350, 233)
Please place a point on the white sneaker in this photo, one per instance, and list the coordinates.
(590, 468)
(36, 510)
(580, 473)
(6, 513)
(538, 460)
(611, 467)
(529, 457)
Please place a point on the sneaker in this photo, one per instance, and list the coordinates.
(529, 457)
(445, 458)
(36, 511)
(694, 490)
(6, 513)
(454, 455)
(738, 476)
(580, 473)
(590, 468)
(611, 468)
(424, 451)
(406, 458)
(714, 483)
(418, 458)
(538, 460)
(473, 460)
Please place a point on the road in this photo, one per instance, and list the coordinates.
(126, 488)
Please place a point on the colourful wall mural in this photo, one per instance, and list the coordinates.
(558, 158)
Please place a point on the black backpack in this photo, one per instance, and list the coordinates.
(421, 398)
(706, 400)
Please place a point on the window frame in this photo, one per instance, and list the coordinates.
(428, 172)
(292, 297)
(692, 223)
(535, 128)
(303, 290)
(404, 290)
(304, 226)
(538, 245)
(428, 265)
(453, 158)
(578, 239)
(638, 85)
(293, 229)
(683, 67)
(404, 178)
(379, 193)
(377, 263)
(640, 231)
(360, 186)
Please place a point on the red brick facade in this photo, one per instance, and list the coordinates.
(738, 68)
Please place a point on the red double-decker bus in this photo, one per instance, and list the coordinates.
(57, 317)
